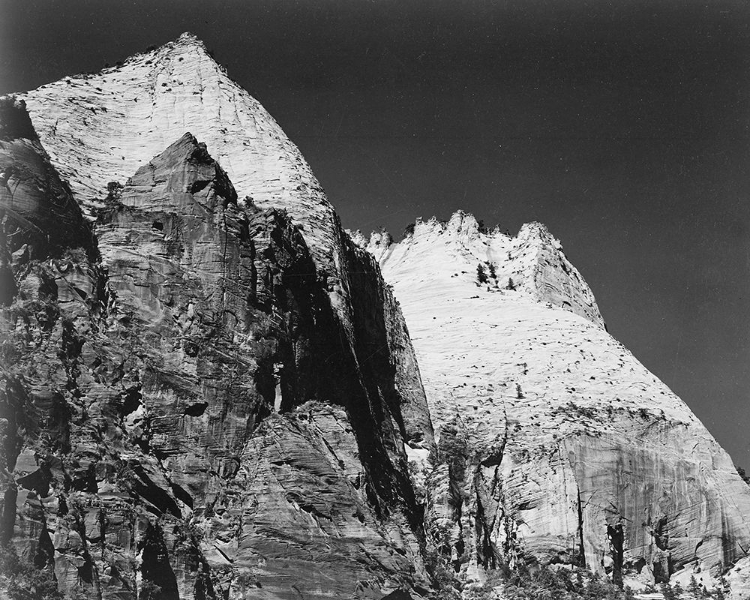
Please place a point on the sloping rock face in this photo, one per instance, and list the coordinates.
(553, 440)
(185, 414)
(210, 392)
(99, 128)
(41, 215)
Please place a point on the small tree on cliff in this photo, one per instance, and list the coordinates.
(493, 272)
(20, 580)
(693, 588)
(677, 590)
(671, 593)
(741, 473)
(481, 275)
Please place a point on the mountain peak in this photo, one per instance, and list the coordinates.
(461, 221)
(564, 435)
(189, 38)
(459, 249)
(100, 128)
(183, 173)
(186, 41)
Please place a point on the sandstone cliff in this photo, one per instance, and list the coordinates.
(554, 440)
(185, 411)
(208, 391)
(99, 128)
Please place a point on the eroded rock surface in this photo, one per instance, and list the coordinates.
(553, 440)
(208, 391)
(184, 409)
(99, 128)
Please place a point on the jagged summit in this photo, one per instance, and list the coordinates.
(183, 170)
(187, 37)
(100, 128)
(185, 41)
(456, 251)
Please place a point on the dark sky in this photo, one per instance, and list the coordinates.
(621, 125)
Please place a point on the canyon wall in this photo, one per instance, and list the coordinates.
(553, 440)
(207, 389)
(186, 414)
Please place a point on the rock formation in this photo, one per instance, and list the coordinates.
(198, 400)
(554, 440)
(207, 390)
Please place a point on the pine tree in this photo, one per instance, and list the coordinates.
(693, 588)
(677, 590)
(667, 592)
(481, 275)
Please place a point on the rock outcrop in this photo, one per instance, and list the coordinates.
(102, 127)
(207, 390)
(187, 410)
(99, 128)
(553, 440)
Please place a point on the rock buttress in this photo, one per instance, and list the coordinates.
(184, 415)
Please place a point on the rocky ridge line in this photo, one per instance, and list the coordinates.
(532, 261)
(99, 128)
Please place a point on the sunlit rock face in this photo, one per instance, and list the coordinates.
(208, 390)
(99, 128)
(188, 409)
(553, 439)
(102, 127)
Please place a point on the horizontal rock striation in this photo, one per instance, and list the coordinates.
(184, 414)
(553, 440)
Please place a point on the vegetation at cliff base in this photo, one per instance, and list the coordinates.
(570, 583)
(546, 583)
(20, 580)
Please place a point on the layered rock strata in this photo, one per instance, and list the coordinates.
(185, 415)
(99, 128)
(554, 441)
(209, 391)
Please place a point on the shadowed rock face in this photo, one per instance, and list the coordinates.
(182, 409)
(99, 128)
(38, 213)
(208, 393)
